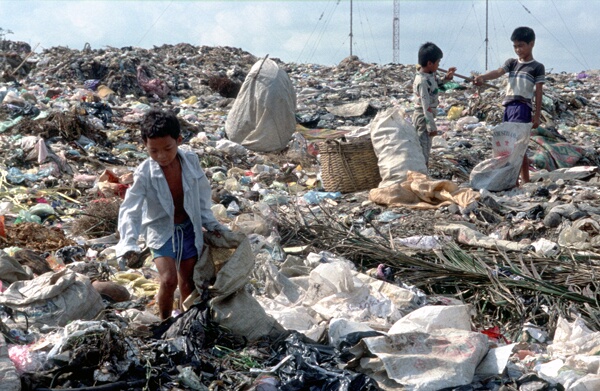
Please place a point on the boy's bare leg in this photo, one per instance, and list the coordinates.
(167, 271)
(186, 279)
(525, 170)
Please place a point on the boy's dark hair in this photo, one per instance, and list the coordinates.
(429, 52)
(158, 123)
(523, 34)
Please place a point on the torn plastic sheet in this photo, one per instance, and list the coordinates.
(422, 361)
(471, 237)
(422, 242)
(495, 361)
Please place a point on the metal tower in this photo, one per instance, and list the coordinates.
(396, 32)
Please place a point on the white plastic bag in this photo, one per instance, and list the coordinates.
(509, 143)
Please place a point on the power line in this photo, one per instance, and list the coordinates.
(310, 37)
(366, 16)
(553, 36)
(571, 35)
(154, 23)
(323, 29)
(460, 30)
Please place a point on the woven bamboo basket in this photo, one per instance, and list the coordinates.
(348, 166)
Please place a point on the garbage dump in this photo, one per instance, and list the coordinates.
(438, 277)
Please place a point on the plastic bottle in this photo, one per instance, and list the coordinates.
(274, 242)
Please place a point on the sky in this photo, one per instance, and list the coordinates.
(318, 31)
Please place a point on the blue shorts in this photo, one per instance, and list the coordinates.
(517, 112)
(182, 245)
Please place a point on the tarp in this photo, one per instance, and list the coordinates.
(351, 109)
(420, 192)
(550, 153)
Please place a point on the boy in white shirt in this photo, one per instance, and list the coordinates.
(169, 203)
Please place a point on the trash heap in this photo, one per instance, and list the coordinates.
(498, 292)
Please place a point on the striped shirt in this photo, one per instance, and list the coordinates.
(522, 78)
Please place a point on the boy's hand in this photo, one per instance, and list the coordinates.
(536, 124)
(133, 259)
(478, 80)
(450, 73)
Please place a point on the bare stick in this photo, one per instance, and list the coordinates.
(468, 78)
(25, 59)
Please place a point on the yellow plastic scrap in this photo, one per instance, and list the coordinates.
(137, 283)
(455, 112)
(191, 100)
(104, 91)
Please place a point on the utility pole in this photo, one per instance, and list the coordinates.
(486, 35)
(350, 28)
(396, 32)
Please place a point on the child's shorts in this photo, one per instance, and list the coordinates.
(182, 245)
(517, 112)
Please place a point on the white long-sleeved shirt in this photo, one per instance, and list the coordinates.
(148, 206)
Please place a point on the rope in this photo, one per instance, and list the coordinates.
(154, 23)
(178, 250)
(322, 32)
(571, 35)
(309, 37)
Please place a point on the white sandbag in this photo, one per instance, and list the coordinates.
(509, 143)
(396, 144)
(425, 362)
(263, 118)
(224, 269)
(53, 299)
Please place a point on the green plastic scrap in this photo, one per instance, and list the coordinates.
(4, 126)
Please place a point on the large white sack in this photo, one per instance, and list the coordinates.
(422, 361)
(53, 299)
(509, 143)
(434, 317)
(396, 144)
(223, 270)
(263, 118)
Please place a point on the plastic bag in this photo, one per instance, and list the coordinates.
(509, 143)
